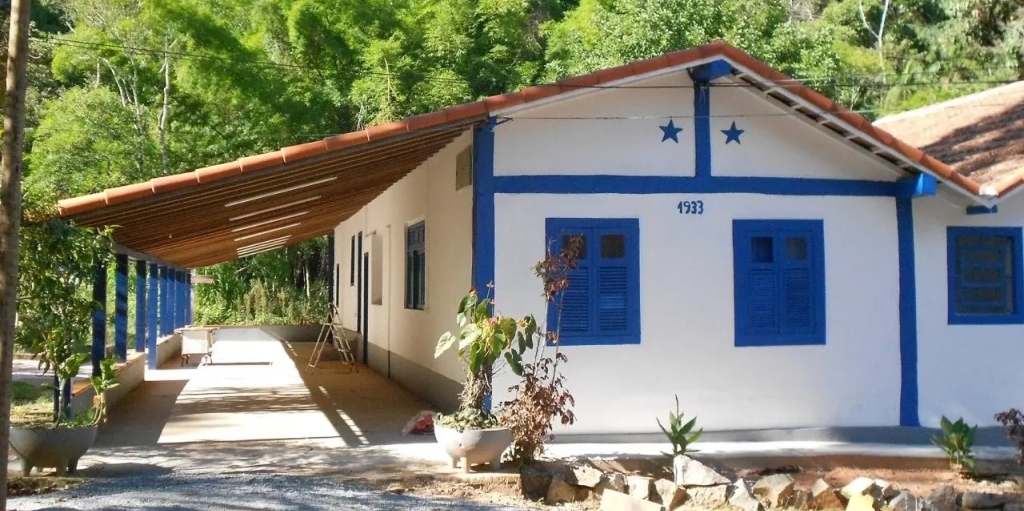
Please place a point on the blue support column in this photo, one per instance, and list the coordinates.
(99, 317)
(152, 324)
(140, 306)
(121, 307)
(179, 301)
(164, 301)
(188, 298)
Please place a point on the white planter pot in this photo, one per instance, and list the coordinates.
(473, 446)
(57, 448)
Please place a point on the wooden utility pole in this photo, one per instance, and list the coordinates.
(10, 214)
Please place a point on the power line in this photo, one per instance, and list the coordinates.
(829, 81)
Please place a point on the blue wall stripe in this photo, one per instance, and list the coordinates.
(188, 298)
(99, 316)
(702, 128)
(140, 306)
(483, 205)
(908, 313)
(563, 184)
(152, 323)
(121, 306)
(164, 289)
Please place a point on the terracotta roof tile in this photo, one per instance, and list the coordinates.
(307, 150)
(261, 161)
(506, 100)
(173, 182)
(980, 136)
(386, 130)
(650, 65)
(128, 193)
(346, 140)
(465, 111)
(577, 82)
(426, 120)
(219, 171)
(614, 74)
(538, 92)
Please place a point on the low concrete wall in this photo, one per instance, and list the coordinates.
(130, 375)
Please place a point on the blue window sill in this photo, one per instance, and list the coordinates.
(599, 341)
(982, 319)
(758, 342)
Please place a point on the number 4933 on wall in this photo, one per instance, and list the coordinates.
(691, 207)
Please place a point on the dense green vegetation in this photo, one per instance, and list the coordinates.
(124, 90)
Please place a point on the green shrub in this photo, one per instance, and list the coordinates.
(678, 433)
(957, 441)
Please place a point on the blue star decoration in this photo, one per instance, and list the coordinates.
(670, 131)
(732, 134)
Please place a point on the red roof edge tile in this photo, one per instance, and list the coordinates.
(307, 150)
(173, 182)
(346, 140)
(219, 171)
(261, 161)
(76, 205)
(380, 131)
(128, 193)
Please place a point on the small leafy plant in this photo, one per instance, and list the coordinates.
(485, 342)
(957, 441)
(1013, 421)
(678, 433)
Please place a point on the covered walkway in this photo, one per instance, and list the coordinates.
(257, 408)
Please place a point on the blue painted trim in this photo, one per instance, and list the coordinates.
(554, 228)
(778, 230)
(483, 205)
(982, 210)
(121, 307)
(180, 299)
(152, 321)
(164, 302)
(1015, 272)
(702, 129)
(562, 184)
(140, 306)
(908, 312)
(711, 71)
(921, 185)
(99, 316)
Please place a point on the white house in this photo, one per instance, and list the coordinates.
(768, 257)
(773, 259)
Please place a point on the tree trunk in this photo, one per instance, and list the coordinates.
(162, 126)
(10, 213)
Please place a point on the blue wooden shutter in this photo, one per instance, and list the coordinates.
(796, 282)
(762, 300)
(576, 319)
(611, 289)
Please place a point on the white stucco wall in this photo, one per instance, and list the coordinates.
(778, 143)
(428, 194)
(686, 289)
(614, 131)
(969, 371)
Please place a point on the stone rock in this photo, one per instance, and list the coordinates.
(824, 496)
(859, 486)
(708, 497)
(885, 489)
(690, 472)
(561, 492)
(613, 500)
(742, 498)
(774, 490)
(585, 476)
(903, 501)
(534, 482)
(615, 482)
(861, 503)
(981, 500)
(942, 499)
(671, 496)
(800, 500)
(639, 487)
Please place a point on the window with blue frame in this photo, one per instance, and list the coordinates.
(602, 303)
(415, 266)
(779, 282)
(984, 275)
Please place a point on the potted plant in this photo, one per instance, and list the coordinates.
(54, 317)
(473, 435)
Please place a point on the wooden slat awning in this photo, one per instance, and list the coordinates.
(278, 199)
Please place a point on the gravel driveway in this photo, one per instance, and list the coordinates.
(183, 492)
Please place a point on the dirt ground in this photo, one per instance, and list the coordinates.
(920, 476)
